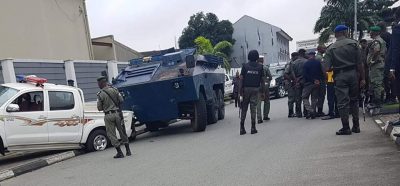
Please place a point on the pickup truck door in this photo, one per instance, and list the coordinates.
(28, 125)
(65, 115)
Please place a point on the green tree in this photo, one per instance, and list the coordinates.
(209, 26)
(335, 12)
(204, 46)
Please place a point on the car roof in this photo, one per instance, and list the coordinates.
(32, 86)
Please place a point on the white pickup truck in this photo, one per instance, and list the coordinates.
(50, 117)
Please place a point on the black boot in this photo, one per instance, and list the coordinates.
(313, 115)
(253, 128)
(343, 131)
(356, 126)
(128, 150)
(242, 129)
(119, 153)
(260, 121)
(290, 115)
(320, 113)
(344, 114)
(266, 118)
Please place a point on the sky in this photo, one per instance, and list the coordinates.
(147, 25)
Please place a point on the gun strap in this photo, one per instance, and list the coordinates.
(115, 103)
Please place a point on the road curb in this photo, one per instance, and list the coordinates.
(388, 129)
(37, 164)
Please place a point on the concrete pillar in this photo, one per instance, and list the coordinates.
(8, 71)
(112, 70)
(70, 71)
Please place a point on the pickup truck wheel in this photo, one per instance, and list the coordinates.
(97, 141)
(221, 105)
(212, 110)
(199, 121)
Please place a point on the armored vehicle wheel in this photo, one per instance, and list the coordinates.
(199, 121)
(212, 110)
(153, 127)
(221, 105)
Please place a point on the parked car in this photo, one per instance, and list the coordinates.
(228, 86)
(277, 87)
(36, 116)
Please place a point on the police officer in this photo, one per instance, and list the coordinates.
(109, 101)
(375, 61)
(290, 81)
(297, 73)
(252, 78)
(312, 75)
(343, 57)
(322, 92)
(264, 96)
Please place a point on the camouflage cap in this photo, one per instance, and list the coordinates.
(375, 28)
(101, 78)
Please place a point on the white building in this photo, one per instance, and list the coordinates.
(270, 41)
(44, 29)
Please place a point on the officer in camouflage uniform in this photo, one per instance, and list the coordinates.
(343, 57)
(251, 79)
(290, 81)
(265, 94)
(376, 64)
(297, 73)
(109, 101)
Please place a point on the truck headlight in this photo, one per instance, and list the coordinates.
(272, 83)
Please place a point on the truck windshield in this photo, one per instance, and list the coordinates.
(6, 93)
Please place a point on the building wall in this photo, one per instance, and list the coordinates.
(124, 54)
(103, 52)
(116, 51)
(53, 71)
(86, 75)
(44, 29)
(247, 28)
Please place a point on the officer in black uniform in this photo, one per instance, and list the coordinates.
(251, 79)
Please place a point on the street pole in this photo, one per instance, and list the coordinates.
(355, 20)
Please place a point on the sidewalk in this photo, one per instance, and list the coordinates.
(385, 122)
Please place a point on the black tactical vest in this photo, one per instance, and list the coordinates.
(252, 74)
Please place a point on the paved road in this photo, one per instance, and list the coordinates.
(284, 152)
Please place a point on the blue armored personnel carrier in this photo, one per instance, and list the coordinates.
(179, 85)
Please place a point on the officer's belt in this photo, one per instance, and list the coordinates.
(345, 69)
(111, 112)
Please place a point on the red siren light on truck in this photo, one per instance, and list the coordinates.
(34, 79)
(31, 79)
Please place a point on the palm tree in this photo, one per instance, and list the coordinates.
(204, 46)
(342, 12)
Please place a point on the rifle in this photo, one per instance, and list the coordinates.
(363, 102)
(240, 108)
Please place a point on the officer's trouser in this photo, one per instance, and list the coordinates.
(376, 74)
(310, 89)
(114, 122)
(266, 108)
(291, 99)
(321, 96)
(347, 91)
(298, 91)
(332, 102)
(250, 96)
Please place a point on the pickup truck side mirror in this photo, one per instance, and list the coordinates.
(13, 108)
(190, 61)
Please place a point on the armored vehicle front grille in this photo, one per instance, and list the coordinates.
(149, 70)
